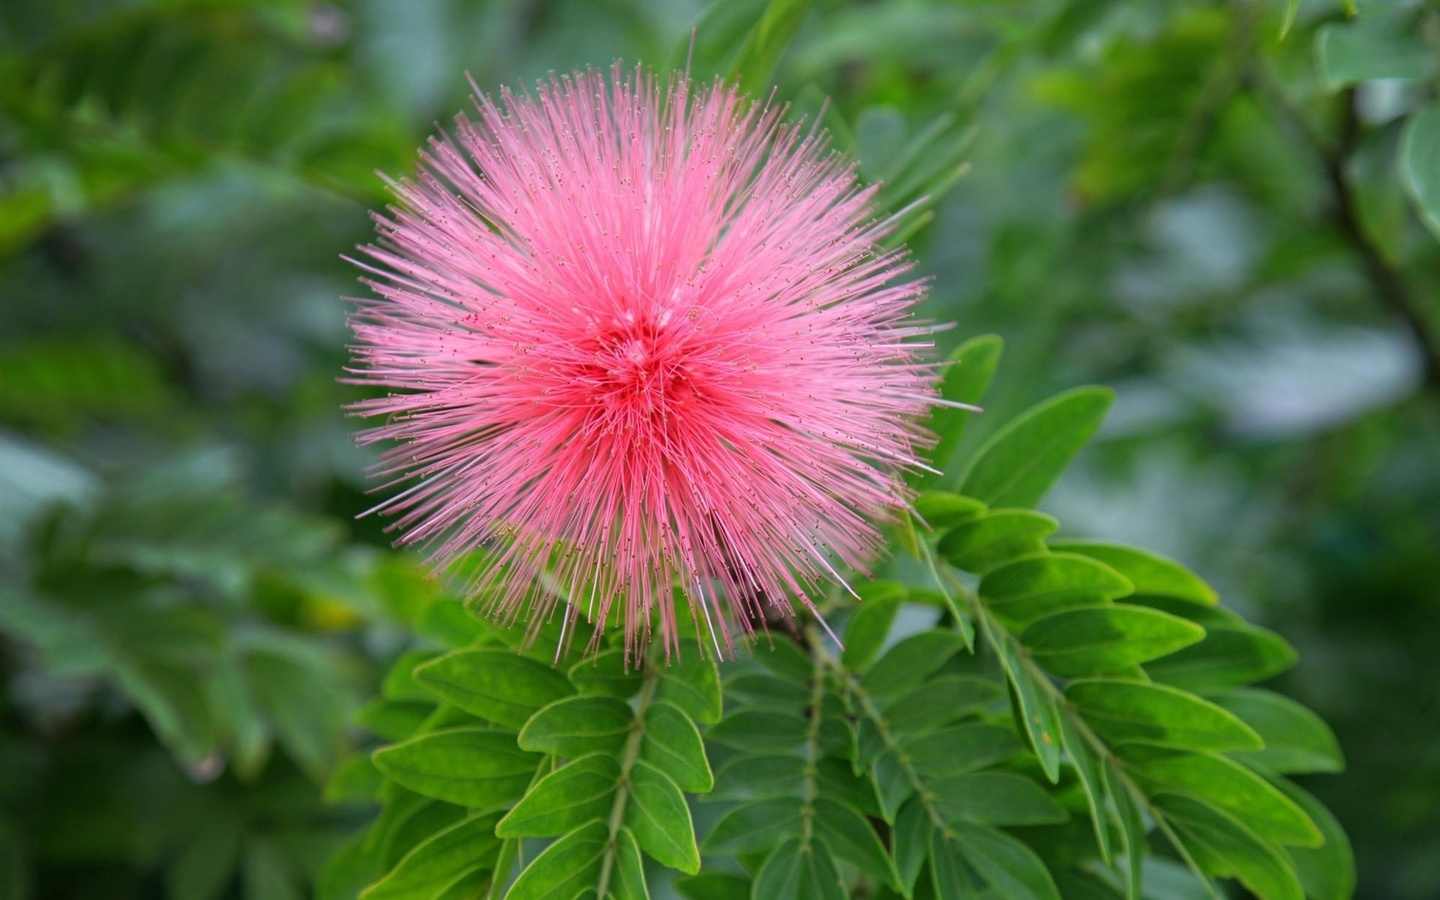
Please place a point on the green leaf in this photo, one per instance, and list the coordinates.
(1087, 767)
(439, 861)
(996, 798)
(565, 799)
(1326, 872)
(606, 674)
(866, 633)
(1007, 865)
(908, 841)
(1370, 47)
(798, 869)
(941, 701)
(1147, 572)
(658, 817)
(981, 544)
(764, 777)
(472, 767)
(910, 661)
(1223, 846)
(759, 731)
(1227, 785)
(1032, 705)
(1295, 739)
(694, 686)
(672, 744)
(754, 64)
(968, 371)
(851, 838)
(1099, 640)
(566, 868)
(576, 726)
(756, 826)
(1122, 710)
(1017, 465)
(942, 511)
(627, 877)
(1229, 656)
(1420, 150)
(758, 689)
(1031, 588)
(713, 886)
(496, 685)
(1132, 828)
(786, 659)
(963, 748)
(948, 873)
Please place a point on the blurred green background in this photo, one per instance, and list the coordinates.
(1217, 208)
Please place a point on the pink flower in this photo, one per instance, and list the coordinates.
(643, 345)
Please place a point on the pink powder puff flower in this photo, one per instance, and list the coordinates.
(643, 344)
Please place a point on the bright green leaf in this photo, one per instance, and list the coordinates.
(607, 674)
(575, 726)
(659, 819)
(994, 539)
(496, 685)
(1148, 573)
(565, 799)
(439, 861)
(672, 744)
(867, 630)
(942, 511)
(472, 767)
(1327, 872)
(627, 877)
(968, 371)
(1229, 656)
(1225, 847)
(694, 686)
(1033, 706)
(1099, 640)
(1017, 465)
(1122, 710)
(1295, 739)
(566, 868)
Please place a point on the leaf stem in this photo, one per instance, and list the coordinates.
(628, 757)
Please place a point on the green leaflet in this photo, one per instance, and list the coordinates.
(566, 868)
(565, 799)
(865, 634)
(1017, 465)
(993, 539)
(1295, 739)
(657, 816)
(1008, 866)
(496, 685)
(1031, 588)
(995, 798)
(851, 838)
(1227, 785)
(908, 663)
(472, 767)
(1230, 656)
(608, 674)
(576, 726)
(1122, 710)
(1225, 847)
(1100, 640)
(442, 859)
(672, 745)
(798, 869)
(1148, 573)
(1327, 872)
(960, 749)
(968, 371)
(755, 826)
(694, 686)
(941, 510)
(1372, 46)
(1420, 147)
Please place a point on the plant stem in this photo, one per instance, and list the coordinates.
(629, 755)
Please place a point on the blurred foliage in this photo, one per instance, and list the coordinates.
(1229, 211)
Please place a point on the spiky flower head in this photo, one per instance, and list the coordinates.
(641, 343)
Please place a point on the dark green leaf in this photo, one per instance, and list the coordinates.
(755, 827)
(996, 538)
(963, 748)
(446, 856)
(1033, 705)
(1132, 827)
(1008, 866)
(713, 886)
(1031, 588)
(757, 731)
(943, 511)
(910, 661)
(471, 767)
(565, 799)
(575, 726)
(1017, 465)
(1327, 872)
(1087, 767)
(1099, 640)
(851, 838)
(758, 778)
(1148, 573)
(996, 798)
(908, 841)
(1295, 739)
(1121, 710)
(799, 870)
(393, 720)
(496, 685)
(941, 701)
(659, 819)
